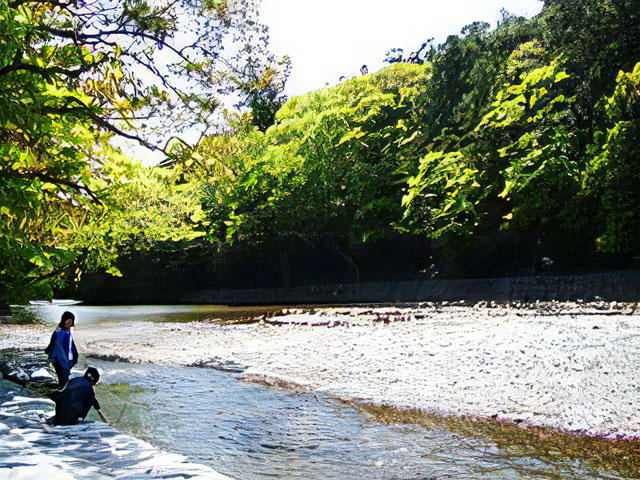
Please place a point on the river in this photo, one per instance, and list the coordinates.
(252, 431)
(249, 431)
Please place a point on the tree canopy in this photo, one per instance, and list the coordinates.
(75, 77)
(528, 131)
(513, 129)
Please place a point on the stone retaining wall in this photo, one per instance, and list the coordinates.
(610, 286)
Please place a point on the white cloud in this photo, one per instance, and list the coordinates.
(329, 38)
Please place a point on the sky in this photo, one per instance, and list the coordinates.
(329, 39)
(332, 38)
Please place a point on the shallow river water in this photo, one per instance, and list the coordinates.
(252, 431)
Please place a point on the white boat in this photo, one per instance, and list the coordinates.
(65, 302)
(55, 302)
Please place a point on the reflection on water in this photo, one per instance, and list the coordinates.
(150, 313)
(248, 431)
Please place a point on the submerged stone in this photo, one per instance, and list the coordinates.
(41, 374)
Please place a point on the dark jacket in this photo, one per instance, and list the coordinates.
(75, 401)
(58, 349)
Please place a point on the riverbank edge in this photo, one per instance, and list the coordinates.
(614, 452)
(420, 416)
(190, 469)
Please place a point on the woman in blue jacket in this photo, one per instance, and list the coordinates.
(62, 350)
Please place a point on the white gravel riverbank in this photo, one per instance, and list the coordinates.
(569, 367)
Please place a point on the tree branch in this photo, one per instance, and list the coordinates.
(45, 177)
(51, 274)
(17, 3)
(44, 71)
(104, 123)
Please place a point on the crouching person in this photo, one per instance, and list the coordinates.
(75, 401)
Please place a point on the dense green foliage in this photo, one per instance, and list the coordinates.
(530, 128)
(528, 132)
(76, 76)
(322, 172)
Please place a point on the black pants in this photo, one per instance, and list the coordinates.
(66, 414)
(63, 375)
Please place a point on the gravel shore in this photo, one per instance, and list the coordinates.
(31, 449)
(566, 366)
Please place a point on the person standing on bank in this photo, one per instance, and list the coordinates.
(62, 350)
(77, 399)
